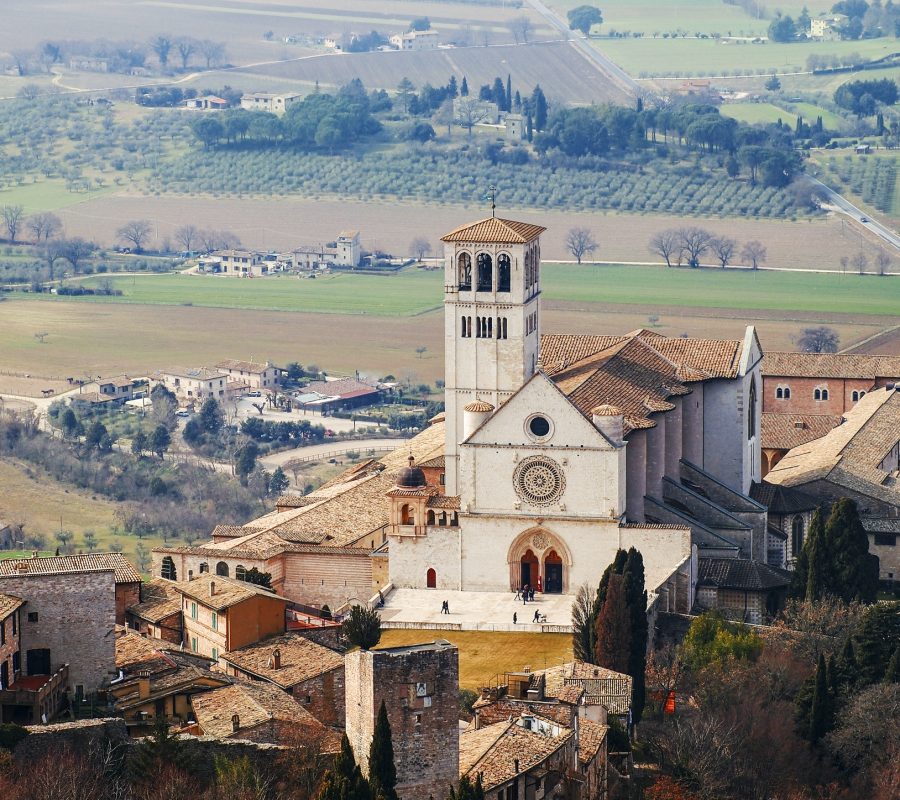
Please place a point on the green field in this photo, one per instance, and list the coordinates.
(47, 195)
(415, 291)
(755, 113)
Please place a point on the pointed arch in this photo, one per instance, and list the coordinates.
(539, 541)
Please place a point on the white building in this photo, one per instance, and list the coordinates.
(269, 101)
(257, 375)
(562, 449)
(348, 249)
(193, 383)
(237, 263)
(416, 40)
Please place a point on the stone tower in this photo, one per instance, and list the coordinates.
(420, 689)
(491, 320)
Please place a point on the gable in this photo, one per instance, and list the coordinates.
(539, 396)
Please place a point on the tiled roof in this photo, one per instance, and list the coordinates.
(8, 604)
(443, 501)
(850, 455)
(255, 703)
(125, 572)
(135, 652)
(881, 524)
(830, 365)
(228, 592)
(493, 230)
(786, 431)
(590, 738)
(158, 601)
(195, 373)
(474, 743)
(341, 387)
(285, 501)
(433, 463)
(244, 366)
(741, 573)
(601, 686)
(515, 751)
(571, 694)
(491, 711)
(781, 500)
(300, 658)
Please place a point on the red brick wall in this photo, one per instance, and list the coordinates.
(802, 399)
(127, 594)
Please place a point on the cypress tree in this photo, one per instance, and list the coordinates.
(803, 704)
(814, 550)
(382, 770)
(820, 711)
(617, 567)
(508, 92)
(517, 102)
(847, 551)
(846, 667)
(498, 94)
(636, 596)
(529, 127)
(539, 103)
(344, 781)
(876, 641)
(464, 88)
(613, 640)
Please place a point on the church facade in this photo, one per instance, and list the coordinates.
(559, 449)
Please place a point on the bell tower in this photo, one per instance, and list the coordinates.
(491, 319)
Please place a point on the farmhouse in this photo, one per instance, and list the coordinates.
(208, 102)
(237, 263)
(258, 375)
(122, 387)
(416, 40)
(348, 251)
(274, 103)
(193, 383)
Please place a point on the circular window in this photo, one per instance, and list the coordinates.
(539, 481)
(539, 426)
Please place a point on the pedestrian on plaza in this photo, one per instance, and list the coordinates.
(537, 615)
(515, 617)
(524, 594)
(518, 593)
(532, 595)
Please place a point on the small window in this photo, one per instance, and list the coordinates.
(193, 611)
(240, 572)
(886, 539)
(215, 621)
(194, 647)
(824, 394)
(32, 616)
(215, 654)
(204, 567)
(15, 620)
(817, 394)
(787, 392)
(779, 393)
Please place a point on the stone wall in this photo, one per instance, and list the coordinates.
(9, 644)
(323, 697)
(76, 617)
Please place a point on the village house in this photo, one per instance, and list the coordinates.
(208, 102)
(158, 614)
(859, 459)
(312, 674)
(416, 40)
(339, 395)
(237, 263)
(122, 387)
(221, 614)
(190, 384)
(10, 644)
(827, 28)
(273, 102)
(255, 374)
(348, 249)
(259, 712)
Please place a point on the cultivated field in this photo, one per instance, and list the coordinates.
(769, 112)
(485, 656)
(285, 223)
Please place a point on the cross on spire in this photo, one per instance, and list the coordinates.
(492, 195)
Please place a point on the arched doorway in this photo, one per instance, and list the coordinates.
(222, 569)
(553, 573)
(530, 569)
(431, 578)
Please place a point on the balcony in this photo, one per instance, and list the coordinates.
(33, 699)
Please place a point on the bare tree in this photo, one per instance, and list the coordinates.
(185, 236)
(724, 248)
(580, 242)
(162, 46)
(44, 226)
(667, 244)
(883, 260)
(695, 242)
(75, 251)
(469, 112)
(520, 27)
(444, 115)
(12, 219)
(30, 91)
(754, 253)
(20, 61)
(51, 252)
(217, 240)
(212, 52)
(860, 261)
(137, 231)
(186, 47)
(818, 340)
(419, 248)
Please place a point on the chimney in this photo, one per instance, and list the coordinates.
(34, 553)
(275, 660)
(212, 588)
(235, 723)
(144, 684)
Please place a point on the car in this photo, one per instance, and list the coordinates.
(182, 413)
(254, 394)
(863, 219)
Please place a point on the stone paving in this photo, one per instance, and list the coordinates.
(475, 611)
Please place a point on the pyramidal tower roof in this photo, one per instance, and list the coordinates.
(493, 230)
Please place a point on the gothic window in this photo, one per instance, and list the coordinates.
(464, 267)
(503, 272)
(468, 322)
(824, 394)
(817, 394)
(751, 410)
(820, 393)
(240, 572)
(168, 569)
(431, 578)
(527, 268)
(796, 536)
(222, 569)
(485, 272)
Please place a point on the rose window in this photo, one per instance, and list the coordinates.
(539, 481)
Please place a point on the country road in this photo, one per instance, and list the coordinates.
(312, 451)
(844, 206)
(581, 43)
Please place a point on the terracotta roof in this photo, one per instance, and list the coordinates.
(433, 463)
(502, 709)
(514, 752)
(342, 387)
(286, 501)
(741, 573)
(570, 693)
(443, 501)
(125, 571)
(195, 373)
(244, 366)
(781, 500)
(158, 601)
(474, 743)
(591, 736)
(601, 686)
(300, 660)
(851, 454)
(228, 592)
(255, 703)
(8, 604)
(606, 410)
(120, 381)
(135, 652)
(493, 230)
(830, 365)
(786, 431)
(478, 406)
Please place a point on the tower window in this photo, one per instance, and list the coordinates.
(485, 272)
(503, 272)
(464, 271)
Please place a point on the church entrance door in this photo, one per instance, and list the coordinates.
(553, 573)
(530, 570)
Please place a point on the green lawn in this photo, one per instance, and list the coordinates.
(415, 291)
(47, 195)
(754, 113)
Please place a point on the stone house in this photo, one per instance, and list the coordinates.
(194, 384)
(312, 674)
(257, 375)
(790, 514)
(274, 103)
(158, 614)
(221, 614)
(122, 387)
(10, 644)
(746, 591)
(208, 102)
(348, 249)
(419, 686)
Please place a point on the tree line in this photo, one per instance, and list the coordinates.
(688, 245)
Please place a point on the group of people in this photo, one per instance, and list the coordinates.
(538, 617)
(526, 593)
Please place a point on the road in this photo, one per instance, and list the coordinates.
(327, 449)
(581, 43)
(844, 206)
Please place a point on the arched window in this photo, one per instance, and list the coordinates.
(485, 272)
(527, 268)
(168, 569)
(235, 723)
(787, 392)
(779, 393)
(824, 394)
(222, 569)
(857, 395)
(862, 394)
(430, 518)
(464, 271)
(407, 516)
(817, 394)
(504, 267)
(454, 520)
(204, 567)
(751, 410)
(431, 578)
(240, 572)
(490, 328)
(796, 536)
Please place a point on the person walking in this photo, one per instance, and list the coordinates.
(524, 594)
(515, 617)
(537, 615)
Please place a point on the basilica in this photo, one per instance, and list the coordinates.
(554, 451)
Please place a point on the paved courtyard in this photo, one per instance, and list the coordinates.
(475, 611)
